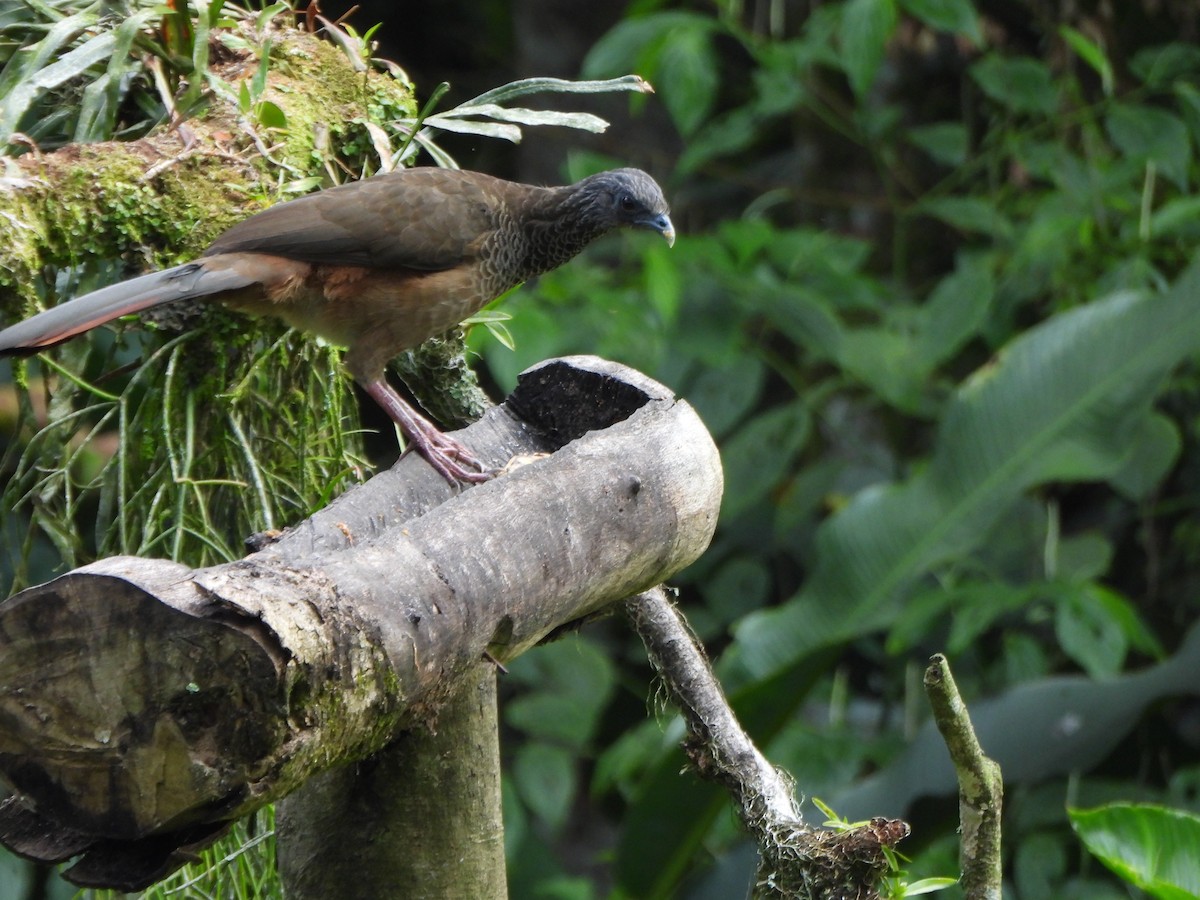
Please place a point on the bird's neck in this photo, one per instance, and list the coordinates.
(559, 222)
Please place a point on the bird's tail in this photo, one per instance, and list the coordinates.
(65, 321)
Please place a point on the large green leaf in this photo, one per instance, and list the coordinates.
(1066, 401)
(1151, 847)
(1036, 731)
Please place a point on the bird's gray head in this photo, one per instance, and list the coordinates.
(629, 198)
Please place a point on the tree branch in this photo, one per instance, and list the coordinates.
(139, 697)
(796, 861)
(980, 785)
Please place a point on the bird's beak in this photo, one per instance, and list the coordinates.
(662, 224)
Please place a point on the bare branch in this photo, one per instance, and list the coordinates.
(796, 861)
(980, 785)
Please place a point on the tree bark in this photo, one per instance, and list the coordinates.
(795, 860)
(143, 700)
(980, 785)
(420, 820)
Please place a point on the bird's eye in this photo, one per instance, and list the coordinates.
(628, 203)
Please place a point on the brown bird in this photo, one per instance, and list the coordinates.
(378, 266)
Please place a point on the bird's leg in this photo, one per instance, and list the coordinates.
(449, 457)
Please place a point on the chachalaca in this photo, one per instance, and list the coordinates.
(378, 266)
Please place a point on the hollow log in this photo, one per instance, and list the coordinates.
(144, 705)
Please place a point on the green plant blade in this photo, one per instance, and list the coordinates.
(560, 86)
(1151, 847)
(68, 66)
(522, 116)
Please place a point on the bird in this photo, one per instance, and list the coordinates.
(379, 265)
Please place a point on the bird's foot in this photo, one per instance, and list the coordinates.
(448, 456)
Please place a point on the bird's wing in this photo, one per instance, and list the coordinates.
(425, 218)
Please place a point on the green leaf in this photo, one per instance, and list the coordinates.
(884, 359)
(1178, 217)
(1151, 847)
(527, 86)
(545, 779)
(499, 130)
(946, 142)
(1164, 65)
(567, 685)
(1151, 457)
(687, 74)
(866, 27)
(928, 885)
(759, 454)
(1039, 865)
(1024, 85)
(522, 116)
(675, 51)
(1088, 634)
(726, 135)
(270, 115)
(955, 310)
(738, 586)
(102, 98)
(1091, 54)
(485, 116)
(1082, 557)
(1063, 402)
(1150, 135)
(663, 278)
(1037, 730)
(633, 43)
(494, 321)
(977, 607)
(969, 214)
(68, 66)
(804, 316)
(897, 359)
(26, 65)
(955, 16)
(722, 395)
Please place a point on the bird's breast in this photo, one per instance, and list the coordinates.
(377, 313)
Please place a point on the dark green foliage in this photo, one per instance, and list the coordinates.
(933, 297)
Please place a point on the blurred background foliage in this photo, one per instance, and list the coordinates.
(934, 297)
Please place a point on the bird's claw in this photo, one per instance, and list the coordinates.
(451, 458)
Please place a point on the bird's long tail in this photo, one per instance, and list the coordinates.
(65, 321)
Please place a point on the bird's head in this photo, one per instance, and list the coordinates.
(629, 198)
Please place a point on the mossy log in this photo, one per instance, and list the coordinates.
(144, 705)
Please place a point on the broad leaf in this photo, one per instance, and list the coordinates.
(1038, 730)
(1065, 401)
(1151, 847)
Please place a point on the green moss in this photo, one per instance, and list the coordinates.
(94, 202)
(319, 90)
